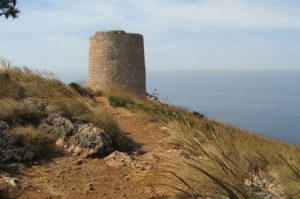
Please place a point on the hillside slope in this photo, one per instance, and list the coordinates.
(67, 141)
(67, 177)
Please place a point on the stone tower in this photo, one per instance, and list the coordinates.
(117, 60)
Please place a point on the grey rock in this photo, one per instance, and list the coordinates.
(11, 149)
(261, 186)
(118, 159)
(7, 140)
(3, 126)
(90, 137)
(59, 126)
(79, 137)
(7, 155)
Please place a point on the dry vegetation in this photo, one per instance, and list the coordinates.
(35, 140)
(17, 84)
(15, 112)
(156, 109)
(221, 157)
(5, 192)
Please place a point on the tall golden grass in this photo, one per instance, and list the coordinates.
(17, 84)
(222, 158)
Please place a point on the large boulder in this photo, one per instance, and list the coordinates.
(59, 126)
(79, 137)
(91, 140)
(76, 136)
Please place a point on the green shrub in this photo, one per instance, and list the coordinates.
(158, 109)
(119, 101)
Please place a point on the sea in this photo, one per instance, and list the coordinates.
(264, 102)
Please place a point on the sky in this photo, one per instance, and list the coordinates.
(179, 34)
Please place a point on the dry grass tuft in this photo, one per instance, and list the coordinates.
(18, 113)
(66, 100)
(222, 158)
(35, 141)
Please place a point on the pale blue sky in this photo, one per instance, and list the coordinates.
(179, 34)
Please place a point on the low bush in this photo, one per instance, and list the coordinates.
(34, 140)
(119, 101)
(19, 113)
(161, 110)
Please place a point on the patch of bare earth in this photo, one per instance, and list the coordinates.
(119, 175)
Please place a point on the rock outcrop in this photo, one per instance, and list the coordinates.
(59, 126)
(10, 149)
(77, 137)
(264, 186)
(90, 137)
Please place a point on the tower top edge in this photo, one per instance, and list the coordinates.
(114, 32)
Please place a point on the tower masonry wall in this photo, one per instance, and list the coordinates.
(117, 60)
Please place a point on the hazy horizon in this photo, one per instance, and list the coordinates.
(179, 35)
(262, 102)
(67, 78)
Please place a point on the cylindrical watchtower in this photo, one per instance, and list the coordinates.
(117, 60)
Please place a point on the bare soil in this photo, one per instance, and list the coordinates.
(71, 177)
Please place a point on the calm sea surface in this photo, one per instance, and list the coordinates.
(263, 102)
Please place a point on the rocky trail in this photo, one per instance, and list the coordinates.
(85, 166)
(118, 175)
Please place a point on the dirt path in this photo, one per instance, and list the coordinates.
(68, 177)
